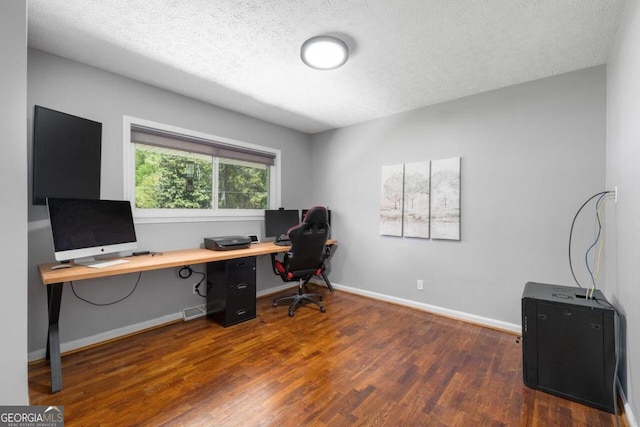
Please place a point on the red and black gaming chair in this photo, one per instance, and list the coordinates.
(305, 259)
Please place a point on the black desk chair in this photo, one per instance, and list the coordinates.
(305, 259)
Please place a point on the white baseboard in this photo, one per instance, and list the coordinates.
(472, 318)
(276, 289)
(115, 333)
(126, 330)
(108, 335)
(628, 412)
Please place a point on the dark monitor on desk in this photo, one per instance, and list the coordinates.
(278, 222)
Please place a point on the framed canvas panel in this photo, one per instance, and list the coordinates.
(416, 199)
(391, 200)
(445, 199)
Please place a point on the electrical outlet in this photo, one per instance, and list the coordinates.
(615, 195)
(195, 289)
(420, 285)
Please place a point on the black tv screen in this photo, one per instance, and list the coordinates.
(66, 156)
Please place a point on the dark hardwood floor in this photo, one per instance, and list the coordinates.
(364, 362)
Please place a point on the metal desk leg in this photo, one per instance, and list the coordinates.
(327, 255)
(54, 297)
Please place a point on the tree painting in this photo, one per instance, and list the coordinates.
(445, 199)
(416, 199)
(391, 202)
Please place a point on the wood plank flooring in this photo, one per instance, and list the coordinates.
(363, 363)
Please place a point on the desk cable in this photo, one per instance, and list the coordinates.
(108, 303)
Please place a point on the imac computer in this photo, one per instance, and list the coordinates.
(278, 222)
(85, 228)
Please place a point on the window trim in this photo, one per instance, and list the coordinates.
(193, 215)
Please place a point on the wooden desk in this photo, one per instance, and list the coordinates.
(54, 280)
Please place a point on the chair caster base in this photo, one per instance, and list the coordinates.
(300, 300)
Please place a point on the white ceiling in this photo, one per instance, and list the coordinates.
(244, 55)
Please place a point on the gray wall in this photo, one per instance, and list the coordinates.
(623, 171)
(530, 155)
(13, 210)
(67, 86)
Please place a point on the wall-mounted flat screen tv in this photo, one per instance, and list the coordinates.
(66, 156)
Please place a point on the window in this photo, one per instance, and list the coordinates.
(173, 173)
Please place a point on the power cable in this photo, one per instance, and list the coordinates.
(108, 303)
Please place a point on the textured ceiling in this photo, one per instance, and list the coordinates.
(245, 55)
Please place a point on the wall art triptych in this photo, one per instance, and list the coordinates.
(391, 202)
(421, 199)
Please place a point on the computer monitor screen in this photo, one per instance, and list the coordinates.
(83, 228)
(278, 222)
(304, 213)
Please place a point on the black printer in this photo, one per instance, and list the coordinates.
(226, 243)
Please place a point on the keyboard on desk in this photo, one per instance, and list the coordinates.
(282, 240)
(108, 263)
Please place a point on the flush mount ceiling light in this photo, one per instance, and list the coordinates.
(324, 52)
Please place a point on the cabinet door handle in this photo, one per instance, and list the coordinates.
(241, 312)
(241, 286)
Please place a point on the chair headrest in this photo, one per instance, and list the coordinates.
(317, 214)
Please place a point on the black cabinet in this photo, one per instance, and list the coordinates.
(231, 290)
(569, 344)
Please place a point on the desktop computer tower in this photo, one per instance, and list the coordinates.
(569, 344)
